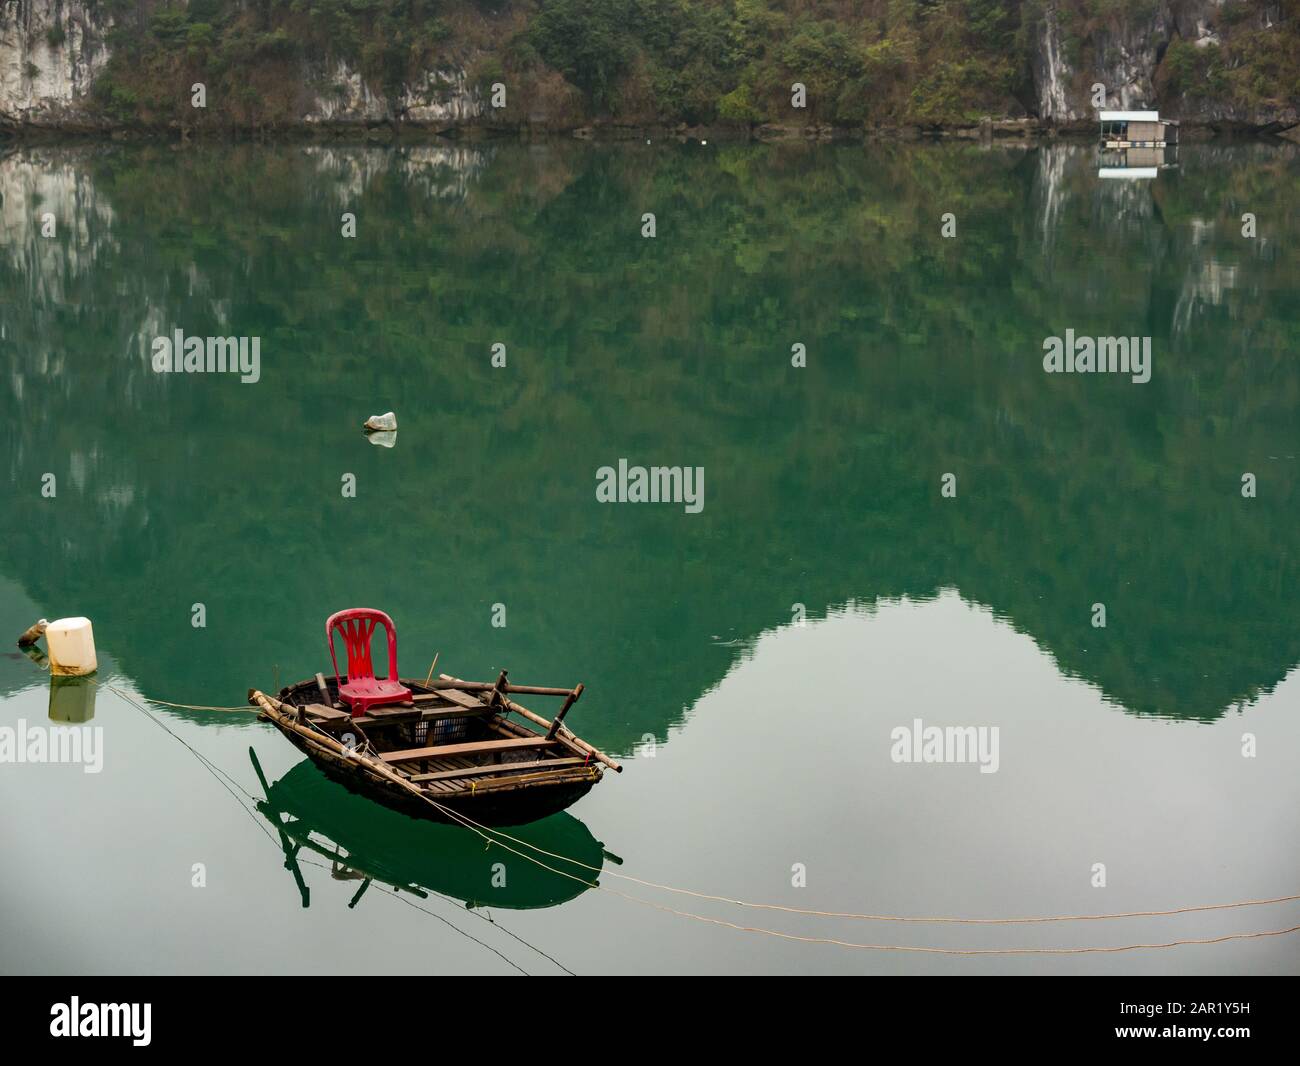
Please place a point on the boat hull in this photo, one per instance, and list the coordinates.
(496, 807)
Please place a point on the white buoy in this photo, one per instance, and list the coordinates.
(381, 423)
(71, 643)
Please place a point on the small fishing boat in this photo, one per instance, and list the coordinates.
(443, 749)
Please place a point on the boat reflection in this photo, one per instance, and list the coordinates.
(365, 842)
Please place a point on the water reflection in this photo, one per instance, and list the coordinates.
(1135, 163)
(364, 842)
(72, 699)
(925, 358)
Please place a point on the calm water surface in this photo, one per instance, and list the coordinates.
(753, 743)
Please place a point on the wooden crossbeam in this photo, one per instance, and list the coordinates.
(538, 777)
(481, 747)
(451, 696)
(320, 713)
(497, 768)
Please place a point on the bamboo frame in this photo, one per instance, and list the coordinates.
(563, 733)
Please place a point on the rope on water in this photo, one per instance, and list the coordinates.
(252, 814)
(943, 920)
(487, 834)
(196, 706)
(470, 823)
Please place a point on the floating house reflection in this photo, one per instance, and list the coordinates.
(1135, 163)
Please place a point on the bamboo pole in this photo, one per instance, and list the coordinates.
(273, 708)
(445, 682)
(545, 723)
(539, 690)
(559, 717)
(498, 690)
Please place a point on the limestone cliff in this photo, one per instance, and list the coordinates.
(1221, 63)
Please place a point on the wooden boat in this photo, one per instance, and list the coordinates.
(450, 753)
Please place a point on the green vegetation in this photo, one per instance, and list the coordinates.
(251, 57)
(1252, 68)
(873, 62)
(1195, 72)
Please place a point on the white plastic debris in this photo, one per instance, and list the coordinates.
(381, 423)
(384, 438)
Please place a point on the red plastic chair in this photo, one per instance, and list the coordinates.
(362, 689)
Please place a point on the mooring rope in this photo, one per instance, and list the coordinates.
(471, 936)
(486, 833)
(252, 814)
(195, 706)
(944, 920)
(470, 824)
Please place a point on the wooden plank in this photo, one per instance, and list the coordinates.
(481, 747)
(452, 696)
(426, 714)
(496, 768)
(321, 713)
(434, 714)
(541, 777)
(462, 706)
(395, 712)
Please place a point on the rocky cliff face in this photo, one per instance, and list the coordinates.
(50, 52)
(443, 95)
(1120, 55)
(1205, 24)
(1192, 59)
(1124, 54)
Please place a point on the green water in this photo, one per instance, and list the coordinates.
(753, 742)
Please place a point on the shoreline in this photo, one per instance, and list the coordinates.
(1007, 131)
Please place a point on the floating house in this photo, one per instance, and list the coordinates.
(1137, 129)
